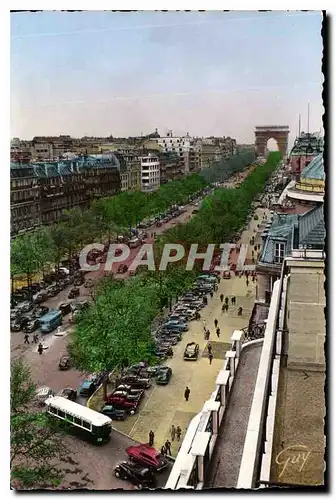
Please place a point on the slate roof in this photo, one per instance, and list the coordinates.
(67, 167)
(312, 228)
(315, 169)
(281, 231)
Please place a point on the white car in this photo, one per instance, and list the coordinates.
(42, 394)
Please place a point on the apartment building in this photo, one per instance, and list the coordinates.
(150, 173)
(41, 191)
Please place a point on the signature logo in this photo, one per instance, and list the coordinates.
(297, 454)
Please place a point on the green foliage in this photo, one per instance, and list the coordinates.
(221, 170)
(37, 449)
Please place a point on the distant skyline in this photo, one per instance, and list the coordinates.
(212, 73)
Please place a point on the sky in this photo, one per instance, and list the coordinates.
(205, 73)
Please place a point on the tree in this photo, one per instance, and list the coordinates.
(37, 450)
(23, 256)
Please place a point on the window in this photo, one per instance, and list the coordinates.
(78, 421)
(86, 425)
(61, 414)
(279, 252)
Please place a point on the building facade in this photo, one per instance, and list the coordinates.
(150, 173)
(306, 148)
(40, 192)
(171, 167)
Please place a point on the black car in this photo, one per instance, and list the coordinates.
(26, 306)
(64, 362)
(135, 381)
(65, 308)
(164, 375)
(17, 324)
(191, 351)
(40, 311)
(137, 474)
(69, 393)
(74, 292)
(114, 412)
(31, 325)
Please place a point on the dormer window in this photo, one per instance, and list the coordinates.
(279, 253)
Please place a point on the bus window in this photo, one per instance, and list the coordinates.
(78, 421)
(61, 414)
(86, 425)
(53, 410)
(69, 418)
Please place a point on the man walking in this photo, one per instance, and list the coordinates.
(172, 432)
(178, 433)
(221, 297)
(151, 438)
(210, 356)
(207, 335)
(216, 322)
(223, 307)
(168, 447)
(35, 338)
(26, 339)
(226, 300)
(187, 393)
(39, 349)
(209, 346)
(218, 331)
(163, 450)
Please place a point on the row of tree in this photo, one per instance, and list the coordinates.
(116, 330)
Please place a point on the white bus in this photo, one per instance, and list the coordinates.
(88, 423)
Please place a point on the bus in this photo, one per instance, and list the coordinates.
(87, 423)
(50, 321)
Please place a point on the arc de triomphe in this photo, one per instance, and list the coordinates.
(278, 132)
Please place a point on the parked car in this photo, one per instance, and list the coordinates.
(17, 324)
(32, 325)
(149, 371)
(40, 297)
(26, 306)
(74, 292)
(79, 280)
(15, 313)
(137, 474)
(191, 351)
(122, 401)
(42, 394)
(136, 393)
(135, 381)
(114, 412)
(122, 394)
(163, 375)
(64, 362)
(179, 325)
(65, 308)
(88, 386)
(147, 455)
(40, 311)
(68, 393)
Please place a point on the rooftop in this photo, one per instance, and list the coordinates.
(312, 228)
(315, 169)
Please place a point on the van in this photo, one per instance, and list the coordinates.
(50, 321)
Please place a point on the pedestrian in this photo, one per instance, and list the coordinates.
(178, 433)
(35, 338)
(207, 335)
(247, 282)
(211, 294)
(210, 356)
(167, 446)
(226, 300)
(151, 438)
(187, 393)
(40, 349)
(240, 311)
(221, 297)
(223, 308)
(172, 432)
(232, 301)
(205, 301)
(216, 322)
(163, 450)
(26, 339)
(226, 307)
(209, 347)
(218, 332)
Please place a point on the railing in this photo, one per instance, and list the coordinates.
(194, 458)
(255, 435)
